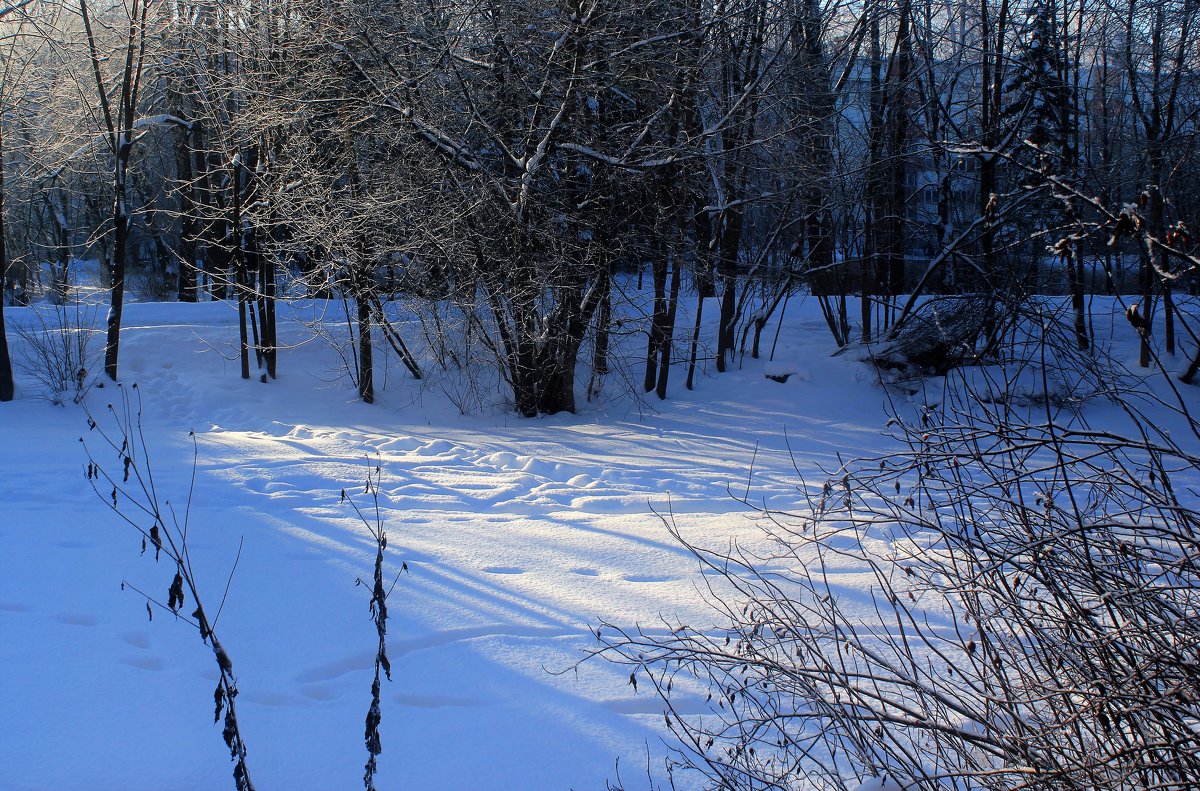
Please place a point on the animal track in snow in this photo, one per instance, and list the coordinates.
(435, 701)
(328, 672)
(273, 699)
(363, 660)
(73, 619)
(136, 639)
(318, 692)
(151, 663)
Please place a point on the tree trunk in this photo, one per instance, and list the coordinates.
(61, 274)
(219, 247)
(658, 320)
(556, 377)
(691, 374)
(6, 374)
(119, 127)
(760, 320)
(898, 101)
(875, 202)
(523, 363)
(260, 265)
(994, 34)
(1078, 302)
(731, 239)
(1168, 317)
(116, 266)
(603, 327)
(240, 273)
(366, 355)
(187, 280)
(1151, 258)
(1193, 367)
(1070, 144)
(664, 366)
(217, 261)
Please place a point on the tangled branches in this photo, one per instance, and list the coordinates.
(1033, 618)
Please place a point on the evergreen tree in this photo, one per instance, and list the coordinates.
(1044, 111)
(1041, 96)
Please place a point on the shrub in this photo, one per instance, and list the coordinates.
(1033, 620)
(57, 351)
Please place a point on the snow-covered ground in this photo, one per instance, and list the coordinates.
(520, 536)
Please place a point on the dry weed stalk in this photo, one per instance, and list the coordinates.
(130, 492)
(379, 615)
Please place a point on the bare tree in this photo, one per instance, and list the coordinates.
(1155, 77)
(11, 70)
(118, 120)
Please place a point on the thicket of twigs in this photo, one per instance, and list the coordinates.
(57, 351)
(1034, 617)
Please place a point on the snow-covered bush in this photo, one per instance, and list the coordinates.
(1034, 619)
(943, 333)
(1028, 334)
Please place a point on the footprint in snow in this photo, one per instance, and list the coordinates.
(504, 570)
(272, 699)
(435, 701)
(72, 619)
(136, 639)
(151, 663)
(358, 662)
(318, 692)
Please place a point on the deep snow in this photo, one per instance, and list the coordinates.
(520, 535)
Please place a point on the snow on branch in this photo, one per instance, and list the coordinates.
(161, 119)
(145, 122)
